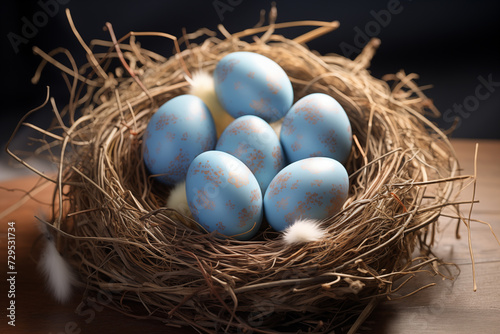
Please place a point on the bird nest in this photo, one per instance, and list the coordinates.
(113, 226)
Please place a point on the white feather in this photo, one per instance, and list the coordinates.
(56, 270)
(202, 85)
(277, 127)
(303, 231)
(178, 200)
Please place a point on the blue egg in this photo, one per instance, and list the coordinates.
(314, 188)
(177, 132)
(224, 196)
(248, 83)
(316, 126)
(254, 142)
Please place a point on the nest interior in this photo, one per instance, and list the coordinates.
(113, 226)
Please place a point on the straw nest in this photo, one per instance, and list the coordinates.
(113, 226)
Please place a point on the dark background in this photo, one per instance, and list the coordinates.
(450, 44)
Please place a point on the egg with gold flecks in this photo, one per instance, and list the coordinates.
(248, 83)
(254, 142)
(314, 188)
(316, 126)
(224, 196)
(178, 131)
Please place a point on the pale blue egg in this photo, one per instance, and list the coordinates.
(316, 126)
(224, 196)
(248, 83)
(253, 141)
(177, 132)
(313, 188)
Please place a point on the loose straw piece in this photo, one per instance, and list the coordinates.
(469, 232)
(313, 34)
(93, 61)
(109, 27)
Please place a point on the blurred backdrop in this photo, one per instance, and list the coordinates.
(450, 44)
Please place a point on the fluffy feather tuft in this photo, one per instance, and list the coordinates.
(303, 231)
(202, 85)
(178, 200)
(56, 270)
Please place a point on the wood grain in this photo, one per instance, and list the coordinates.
(453, 306)
(448, 307)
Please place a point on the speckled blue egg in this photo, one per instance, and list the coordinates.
(253, 141)
(223, 195)
(316, 126)
(177, 132)
(248, 83)
(313, 188)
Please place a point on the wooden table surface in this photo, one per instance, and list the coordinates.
(448, 307)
